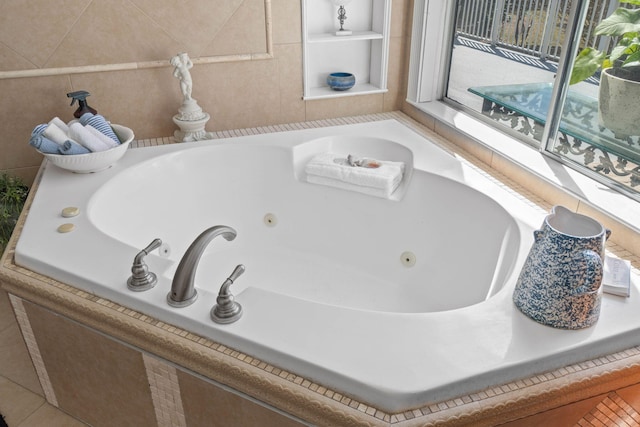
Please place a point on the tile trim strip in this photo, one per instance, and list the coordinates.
(165, 392)
(34, 350)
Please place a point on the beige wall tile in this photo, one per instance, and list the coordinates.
(400, 18)
(6, 312)
(239, 94)
(243, 32)
(289, 59)
(25, 103)
(483, 153)
(540, 187)
(286, 21)
(195, 23)
(98, 380)
(36, 30)
(111, 32)
(143, 100)
(11, 60)
(397, 93)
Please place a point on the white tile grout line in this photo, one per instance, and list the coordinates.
(165, 392)
(34, 351)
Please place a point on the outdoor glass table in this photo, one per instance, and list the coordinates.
(522, 103)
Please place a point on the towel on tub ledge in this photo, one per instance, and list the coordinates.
(373, 177)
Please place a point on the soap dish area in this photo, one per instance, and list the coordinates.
(97, 161)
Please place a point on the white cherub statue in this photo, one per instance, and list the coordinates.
(183, 64)
(190, 118)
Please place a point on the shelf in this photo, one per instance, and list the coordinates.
(326, 92)
(364, 53)
(331, 37)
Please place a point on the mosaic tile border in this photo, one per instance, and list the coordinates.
(484, 397)
(165, 392)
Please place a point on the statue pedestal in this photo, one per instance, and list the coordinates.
(191, 120)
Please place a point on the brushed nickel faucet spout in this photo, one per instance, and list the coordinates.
(183, 291)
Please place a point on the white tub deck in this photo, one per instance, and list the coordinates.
(390, 359)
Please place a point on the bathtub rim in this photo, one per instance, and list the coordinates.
(394, 388)
(22, 283)
(226, 366)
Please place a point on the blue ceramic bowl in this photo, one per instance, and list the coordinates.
(341, 81)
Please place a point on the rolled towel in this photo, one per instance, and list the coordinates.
(44, 144)
(38, 129)
(55, 134)
(99, 122)
(59, 123)
(101, 136)
(385, 176)
(72, 147)
(84, 137)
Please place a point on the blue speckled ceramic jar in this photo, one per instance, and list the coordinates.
(559, 284)
(341, 81)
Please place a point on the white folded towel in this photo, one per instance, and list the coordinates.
(58, 122)
(334, 170)
(55, 134)
(84, 137)
(101, 136)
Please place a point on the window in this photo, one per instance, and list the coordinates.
(508, 62)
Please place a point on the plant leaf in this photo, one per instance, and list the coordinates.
(621, 21)
(586, 64)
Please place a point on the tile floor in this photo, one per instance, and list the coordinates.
(21, 400)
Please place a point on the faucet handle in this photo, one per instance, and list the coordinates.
(236, 272)
(227, 310)
(141, 278)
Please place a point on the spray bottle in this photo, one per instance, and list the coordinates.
(83, 107)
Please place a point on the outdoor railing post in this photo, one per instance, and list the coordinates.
(549, 27)
(496, 26)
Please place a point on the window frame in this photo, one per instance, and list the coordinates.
(432, 36)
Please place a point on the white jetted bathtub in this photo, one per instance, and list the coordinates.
(396, 301)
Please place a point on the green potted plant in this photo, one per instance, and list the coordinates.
(620, 77)
(13, 194)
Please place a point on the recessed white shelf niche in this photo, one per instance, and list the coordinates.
(364, 53)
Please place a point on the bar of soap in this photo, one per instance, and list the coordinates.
(616, 277)
(66, 228)
(70, 212)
